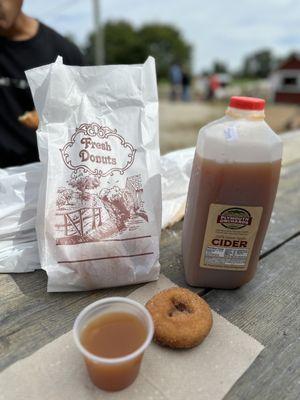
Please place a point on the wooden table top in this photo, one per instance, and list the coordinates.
(267, 308)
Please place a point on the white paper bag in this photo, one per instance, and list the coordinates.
(99, 207)
(18, 197)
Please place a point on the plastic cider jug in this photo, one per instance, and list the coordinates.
(231, 194)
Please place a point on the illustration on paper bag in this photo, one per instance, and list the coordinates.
(98, 201)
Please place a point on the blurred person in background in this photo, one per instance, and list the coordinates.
(24, 43)
(186, 83)
(176, 81)
(214, 85)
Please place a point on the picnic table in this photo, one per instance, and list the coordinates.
(267, 308)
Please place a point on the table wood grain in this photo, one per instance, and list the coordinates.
(267, 308)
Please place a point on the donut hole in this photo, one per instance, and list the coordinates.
(179, 307)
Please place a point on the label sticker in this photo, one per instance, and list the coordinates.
(231, 133)
(229, 236)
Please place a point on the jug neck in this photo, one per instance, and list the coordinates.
(237, 113)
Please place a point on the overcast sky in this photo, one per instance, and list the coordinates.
(217, 29)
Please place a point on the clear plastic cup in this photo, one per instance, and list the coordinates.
(113, 373)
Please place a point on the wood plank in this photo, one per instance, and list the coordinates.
(171, 258)
(291, 144)
(267, 308)
(30, 317)
(285, 220)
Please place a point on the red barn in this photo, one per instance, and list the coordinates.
(286, 81)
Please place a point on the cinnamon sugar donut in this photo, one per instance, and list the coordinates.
(181, 318)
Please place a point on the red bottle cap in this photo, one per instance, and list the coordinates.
(247, 103)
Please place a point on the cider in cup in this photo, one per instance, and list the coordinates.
(112, 334)
(231, 194)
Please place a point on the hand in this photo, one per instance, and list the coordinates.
(30, 119)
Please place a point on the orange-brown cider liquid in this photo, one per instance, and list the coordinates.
(238, 184)
(113, 335)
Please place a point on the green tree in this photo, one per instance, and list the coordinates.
(259, 64)
(219, 67)
(166, 44)
(126, 45)
(121, 42)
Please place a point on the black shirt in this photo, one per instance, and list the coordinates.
(17, 142)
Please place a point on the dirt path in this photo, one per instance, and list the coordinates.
(180, 122)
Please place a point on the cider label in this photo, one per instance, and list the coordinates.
(229, 236)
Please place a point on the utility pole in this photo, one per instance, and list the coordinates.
(99, 34)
